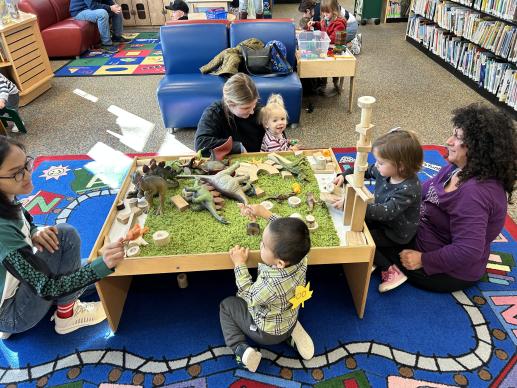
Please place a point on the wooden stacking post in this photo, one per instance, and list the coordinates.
(356, 195)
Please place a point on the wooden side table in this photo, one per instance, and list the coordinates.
(338, 66)
(23, 54)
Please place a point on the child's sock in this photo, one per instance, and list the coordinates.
(65, 310)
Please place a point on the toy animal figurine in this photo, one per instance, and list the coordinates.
(293, 167)
(198, 164)
(281, 197)
(200, 198)
(148, 186)
(311, 201)
(166, 172)
(226, 184)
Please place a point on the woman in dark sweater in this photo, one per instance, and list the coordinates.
(236, 115)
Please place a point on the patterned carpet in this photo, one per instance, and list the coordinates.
(141, 56)
(171, 337)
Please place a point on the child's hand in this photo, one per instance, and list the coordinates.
(2, 103)
(339, 180)
(254, 211)
(310, 23)
(338, 203)
(239, 255)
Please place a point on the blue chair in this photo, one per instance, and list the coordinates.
(184, 93)
(288, 86)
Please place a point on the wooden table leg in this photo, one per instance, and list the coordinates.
(358, 278)
(113, 293)
(351, 95)
(3, 131)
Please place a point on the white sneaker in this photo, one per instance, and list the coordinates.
(14, 128)
(251, 359)
(4, 335)
(302, 342)
(85, 314)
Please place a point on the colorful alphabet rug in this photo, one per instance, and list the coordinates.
(170, 336)
(141, 56)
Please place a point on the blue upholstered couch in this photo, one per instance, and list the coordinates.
(184, 92)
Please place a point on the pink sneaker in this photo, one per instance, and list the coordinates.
(392, 278)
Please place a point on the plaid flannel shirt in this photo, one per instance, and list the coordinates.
(268, 297)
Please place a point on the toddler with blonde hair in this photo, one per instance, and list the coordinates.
(273, 117)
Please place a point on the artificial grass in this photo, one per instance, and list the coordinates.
(199, 232)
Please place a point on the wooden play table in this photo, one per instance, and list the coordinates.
(356, 257)
(338, 66)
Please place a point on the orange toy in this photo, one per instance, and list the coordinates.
(135, 232)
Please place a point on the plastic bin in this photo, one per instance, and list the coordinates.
(216, 14)
(313, 44)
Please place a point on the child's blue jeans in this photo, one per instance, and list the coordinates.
(25, 309)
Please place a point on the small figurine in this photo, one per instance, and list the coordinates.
(150, 186)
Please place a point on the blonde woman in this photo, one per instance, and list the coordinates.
(236, 115)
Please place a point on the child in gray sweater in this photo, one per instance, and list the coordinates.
(393, 218)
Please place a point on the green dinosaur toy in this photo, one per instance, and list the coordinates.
(200, 198)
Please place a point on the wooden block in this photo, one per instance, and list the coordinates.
(286, 174)
(269, 168)
(259, 192)
(137, 211)
(123, 217)
(355, 239)
(364, 131)
(270, 162)
(298, 153)
(179, 202)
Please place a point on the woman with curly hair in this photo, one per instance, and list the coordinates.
(464, 206)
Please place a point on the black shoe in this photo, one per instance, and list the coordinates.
(109, 49)
(120, 39)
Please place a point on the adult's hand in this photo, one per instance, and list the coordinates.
(115, 8)
(239, 255)
(113, 254)
(338, 203)
(46, 238)
(411, 259)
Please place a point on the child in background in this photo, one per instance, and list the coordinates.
(331, 23)
(261, 310)
(9, 97)
(273, 117)
(393, 217)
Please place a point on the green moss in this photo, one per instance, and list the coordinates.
(198, 232)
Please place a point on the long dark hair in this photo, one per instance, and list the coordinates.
(489, 136)
(8, 209)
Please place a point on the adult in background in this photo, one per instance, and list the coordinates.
(41, 266)
(236, 115)
(101, 12)
(179, 10)
(464, 206)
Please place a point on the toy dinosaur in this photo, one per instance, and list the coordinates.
(293, 167)
(166, 172)
(200, 197)
(205, 166)
(226, 184)
(281, 197)
(148, 186)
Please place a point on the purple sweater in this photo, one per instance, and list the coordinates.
(456, 228)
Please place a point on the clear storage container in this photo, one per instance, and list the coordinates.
(313, 44)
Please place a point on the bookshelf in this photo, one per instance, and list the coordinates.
(396, 11)
(477, 46)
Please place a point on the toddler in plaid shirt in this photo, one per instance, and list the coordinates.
(261, 310)
(273, 118)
